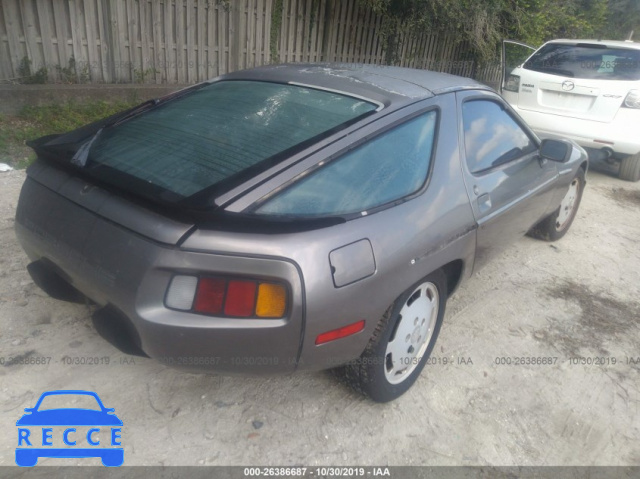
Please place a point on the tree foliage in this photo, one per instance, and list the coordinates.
(484, 23)
(536, 21)
(623, 17)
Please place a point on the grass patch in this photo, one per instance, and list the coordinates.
(36, 121)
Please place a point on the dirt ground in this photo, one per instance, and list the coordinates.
(575, 303)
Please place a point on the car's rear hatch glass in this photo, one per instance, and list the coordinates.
(217, 136)
(583, 80)
(586, 61)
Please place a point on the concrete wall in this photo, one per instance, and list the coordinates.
(14, 97)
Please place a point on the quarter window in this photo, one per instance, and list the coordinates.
(491, 136)
(387, 168)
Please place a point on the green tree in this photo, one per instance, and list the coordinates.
(623, 16)
(536, 21)
(478, 22)
(484, 23)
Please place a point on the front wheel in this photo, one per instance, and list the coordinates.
(402, 342)
(630, 168)
(556, 225)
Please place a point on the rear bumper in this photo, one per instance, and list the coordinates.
(130, 274)
(621, 134)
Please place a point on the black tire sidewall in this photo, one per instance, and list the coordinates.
(377, 386)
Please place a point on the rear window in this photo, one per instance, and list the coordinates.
(221, 132)
(590, 61)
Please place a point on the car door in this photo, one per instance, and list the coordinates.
(513, 55)
(509, 185)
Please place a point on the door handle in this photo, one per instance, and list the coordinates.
(484, 203)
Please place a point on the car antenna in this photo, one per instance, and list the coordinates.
(630, 39)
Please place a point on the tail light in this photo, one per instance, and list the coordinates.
(633, 99)
(512, 83)
(235, 298)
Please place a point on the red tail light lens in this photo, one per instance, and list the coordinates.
(210, 295)
(241, 299)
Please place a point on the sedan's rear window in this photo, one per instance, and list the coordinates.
(219, 132)
(590, 61)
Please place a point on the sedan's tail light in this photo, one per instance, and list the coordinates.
(235, 298)
(512, 83)
(633, 99)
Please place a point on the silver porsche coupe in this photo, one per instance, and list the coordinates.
(289, 217)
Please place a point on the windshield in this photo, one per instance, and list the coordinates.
(216, 134)
(590, 61)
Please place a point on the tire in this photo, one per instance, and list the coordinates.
(556, 225)
(385, 371)
(630, 168)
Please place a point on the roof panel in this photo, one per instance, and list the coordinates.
(386, 84)
(607, 43)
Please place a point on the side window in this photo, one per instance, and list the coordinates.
(389, 167)
(491, 136)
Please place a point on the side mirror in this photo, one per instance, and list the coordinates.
(28, 409)
(555, 150)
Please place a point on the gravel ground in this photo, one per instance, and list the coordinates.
(578, 298)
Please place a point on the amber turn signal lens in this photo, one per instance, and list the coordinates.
(272, 301)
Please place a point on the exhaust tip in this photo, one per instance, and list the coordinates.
(47, 277)
(118, 330)
(600, 154)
